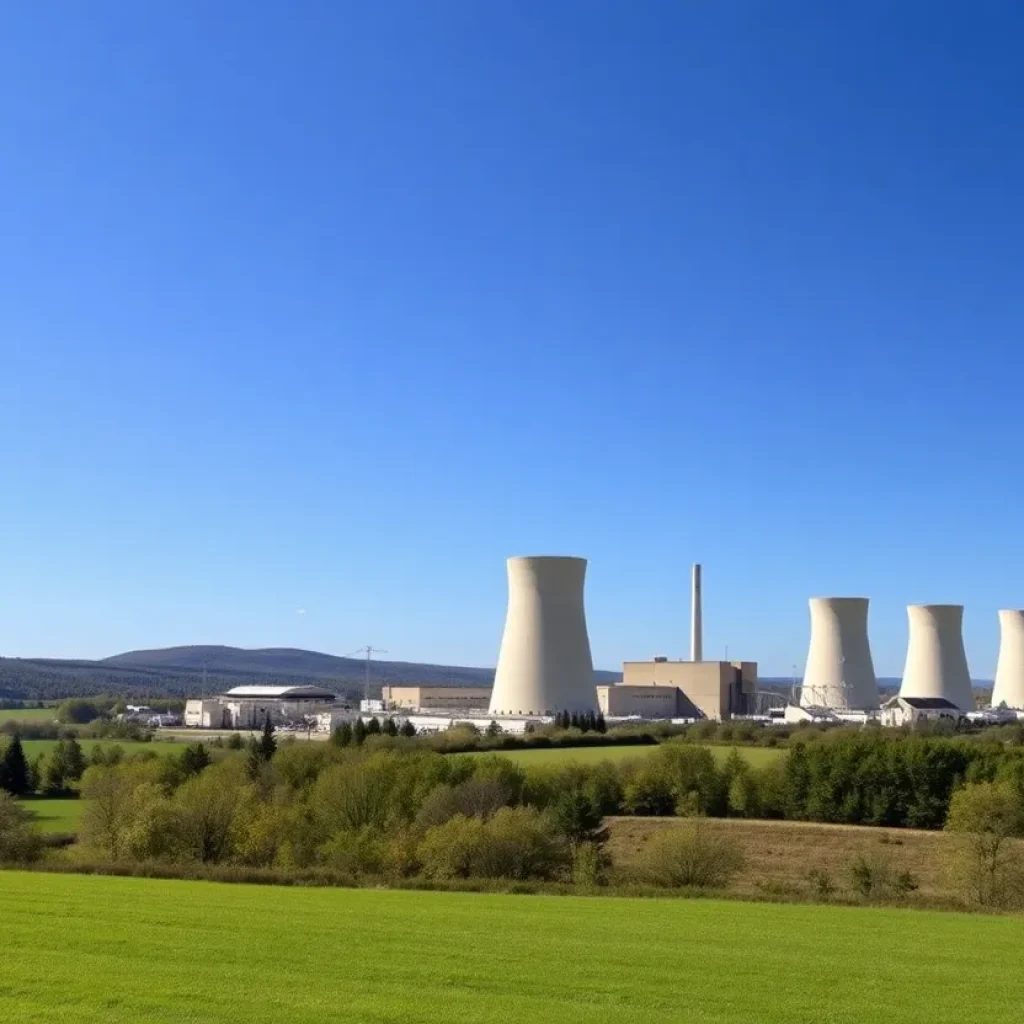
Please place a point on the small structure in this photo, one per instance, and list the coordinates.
(911, 710)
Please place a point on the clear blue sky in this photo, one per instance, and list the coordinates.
(332, 306)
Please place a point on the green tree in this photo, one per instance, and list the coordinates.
(987, 815)
(193, 759)
(268, 745)
(342, 735)
(20, 840)
(358, 732)
(76, 711)
(408, 729)
(600, 725)
(64, 767)
(493, 729)
(390, 729)
(579, 820)
(14, 772)
(373, 726)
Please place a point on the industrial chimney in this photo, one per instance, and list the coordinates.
(840, 673)
(544, 665)
(936, 661)
(1009, 681)
(696, 622)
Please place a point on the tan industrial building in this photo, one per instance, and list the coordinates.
(436, 698)
(681, 689)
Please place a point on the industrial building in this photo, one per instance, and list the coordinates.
(544, 665)
(248, 707)
(1009, 681)
(690, 689)
(436, 698)
(840, 673)
(936, 663)
(911, 710)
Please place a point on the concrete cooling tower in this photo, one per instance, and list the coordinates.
(545, 664)
(840, 673)
(936, 661)
(1009, 683)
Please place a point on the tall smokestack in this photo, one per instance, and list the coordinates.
(696, 623)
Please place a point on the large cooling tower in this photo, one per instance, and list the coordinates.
(1009, 684)
(839, 672)
(936, 661)
(544, 665)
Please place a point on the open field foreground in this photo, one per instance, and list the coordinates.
(92, 949)
(757, 756)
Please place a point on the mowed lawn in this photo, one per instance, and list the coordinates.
(591, 755)
(91, 949)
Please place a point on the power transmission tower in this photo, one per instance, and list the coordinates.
(369, 651)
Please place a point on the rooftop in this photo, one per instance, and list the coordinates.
(281, 692)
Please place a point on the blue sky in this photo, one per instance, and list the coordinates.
(333, 306)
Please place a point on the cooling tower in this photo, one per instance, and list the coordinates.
(1009, 683)
(839, 672)
(544, 665)
(936, 661)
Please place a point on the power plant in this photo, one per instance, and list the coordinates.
(936, 665)
(544, 665)
(1009, 681)
(840, 673)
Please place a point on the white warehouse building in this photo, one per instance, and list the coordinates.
(247, 707)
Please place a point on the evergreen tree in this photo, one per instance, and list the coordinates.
(390, 729)
(254, 759)
(574, 721)
(600, 725)
(268, 745)
(408, 729)
(14, 771)
(194, 758)
(342, 736)
(373, 727)
(578, 819)
(493, 729)
(358, 732)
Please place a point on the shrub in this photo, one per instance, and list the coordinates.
(691, 855)
(516, 843)
(20, 841)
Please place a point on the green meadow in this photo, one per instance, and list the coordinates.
(757, 756)
(33, 748)
(56, 815)
(27, 715)
(118, 950)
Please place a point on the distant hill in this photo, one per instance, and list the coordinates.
(189, 671)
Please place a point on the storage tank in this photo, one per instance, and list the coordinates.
(936, 661)
(840, 673)
(1009, 682)
(544, 665)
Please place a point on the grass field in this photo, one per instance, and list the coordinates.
(591, 755)
(27, 715)
(117, 950)
(35, 747)
(56, 815)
